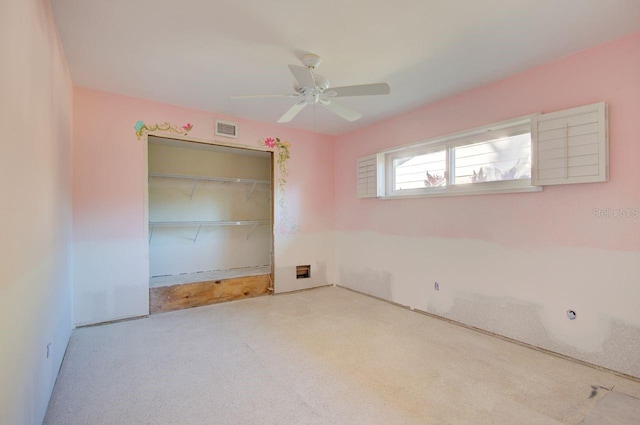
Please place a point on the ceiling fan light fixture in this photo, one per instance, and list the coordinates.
(321, 82)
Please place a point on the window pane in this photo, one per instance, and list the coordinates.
(420, 171)
(508, 158)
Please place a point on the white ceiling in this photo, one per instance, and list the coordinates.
(197, 53)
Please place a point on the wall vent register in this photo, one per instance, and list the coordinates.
(226, 129)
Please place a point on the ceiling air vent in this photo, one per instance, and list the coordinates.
(226, 129)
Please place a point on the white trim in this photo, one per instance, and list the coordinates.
(523, 120)
(464, 190)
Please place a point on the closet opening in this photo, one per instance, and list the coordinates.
(210, 218)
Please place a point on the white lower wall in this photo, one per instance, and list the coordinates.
(314, 249)
(118, 273)
(520, 293)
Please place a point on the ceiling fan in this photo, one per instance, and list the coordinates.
(313, 88)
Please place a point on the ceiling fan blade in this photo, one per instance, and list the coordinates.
(361, 90)
(293, 111)
(341, 110)
(303, 76)
(259, 96)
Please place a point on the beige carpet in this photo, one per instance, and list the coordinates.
(325, 356)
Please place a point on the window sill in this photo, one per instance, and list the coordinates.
(464, 192)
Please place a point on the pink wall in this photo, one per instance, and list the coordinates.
(35, 216)
(559, 216)
(108, 193)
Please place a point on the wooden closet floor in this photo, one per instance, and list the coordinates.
(170, 293)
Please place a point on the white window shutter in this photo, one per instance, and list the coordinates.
(368, 177)
(570, 146)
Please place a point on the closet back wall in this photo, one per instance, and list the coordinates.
(173, 250)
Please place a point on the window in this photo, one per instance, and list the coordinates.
(508, 158)
(562, 147)
(490, 159)
(420, 170)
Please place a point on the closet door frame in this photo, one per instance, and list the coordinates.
(188, 139)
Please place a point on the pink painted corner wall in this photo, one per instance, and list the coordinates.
(512, 264)
(35, 216)
(561, 215)
(111, 252)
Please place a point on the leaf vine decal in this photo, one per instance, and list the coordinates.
(285, 224)
(142, 128)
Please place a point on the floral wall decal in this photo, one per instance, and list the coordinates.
(142, 128)
(285, 223)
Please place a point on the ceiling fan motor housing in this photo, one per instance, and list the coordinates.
(311, 60)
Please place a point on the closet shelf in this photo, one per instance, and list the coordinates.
(206, 223)
(196, 179)
(200, 224)
(212, 179)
